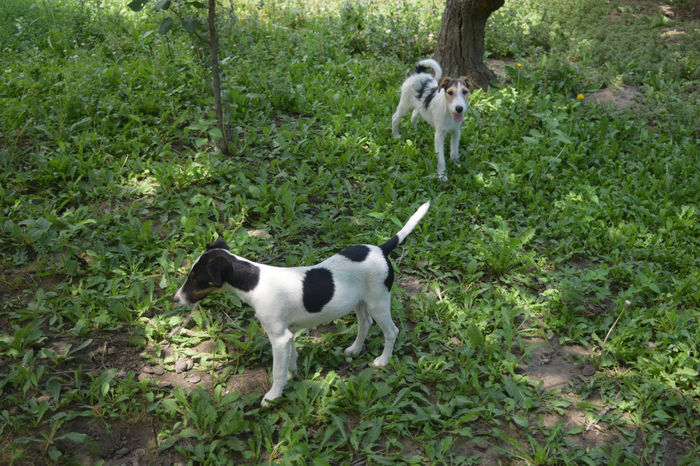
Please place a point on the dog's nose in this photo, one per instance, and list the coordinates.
(459, 108)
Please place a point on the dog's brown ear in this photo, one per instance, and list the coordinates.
(220, 243)
(220, 271)
(444, 83)
(469, 82)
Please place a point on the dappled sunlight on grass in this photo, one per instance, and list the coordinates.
(547, 304)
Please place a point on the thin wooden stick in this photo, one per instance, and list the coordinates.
(625, 306)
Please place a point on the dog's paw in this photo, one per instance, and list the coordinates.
(442, 177)
(396, 135)
(380, 362)
(352, 351)
(270, 398)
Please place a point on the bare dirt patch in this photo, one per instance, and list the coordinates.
(682, 12)
(120, 443)
(411, 285)
(250, 381)
(622, 97)
(556, 366)
(498, 66)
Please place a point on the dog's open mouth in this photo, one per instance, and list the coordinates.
(459, 117)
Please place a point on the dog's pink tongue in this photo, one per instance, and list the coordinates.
(459, 117)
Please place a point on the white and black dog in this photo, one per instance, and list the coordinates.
(289, 298)
(441, 101)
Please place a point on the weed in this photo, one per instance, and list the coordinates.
(563, 211)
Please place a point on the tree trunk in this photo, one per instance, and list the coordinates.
(214, 46)
(460, 44)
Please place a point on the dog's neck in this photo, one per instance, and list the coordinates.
(244, 274)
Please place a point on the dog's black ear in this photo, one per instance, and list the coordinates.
(220, 243)
(444, 82)
(220, 271)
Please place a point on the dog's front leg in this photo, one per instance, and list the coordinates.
(440, 152)
(281, 353)
(292, 359)
(454, 146)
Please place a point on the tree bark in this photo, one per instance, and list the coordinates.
(218, 107)
(460, 44)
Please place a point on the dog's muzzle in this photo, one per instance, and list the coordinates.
(459, 114)
(179, 299)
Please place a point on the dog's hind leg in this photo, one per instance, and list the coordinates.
(415, 116)
(382, 315)
(364, 321)
(281, 353)
(403, 108)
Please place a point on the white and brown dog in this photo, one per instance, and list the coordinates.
(289, 298)
(441, 101)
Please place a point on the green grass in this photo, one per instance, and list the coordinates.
(564, 215)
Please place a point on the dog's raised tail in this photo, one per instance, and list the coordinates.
(424, 66)
(388, 246)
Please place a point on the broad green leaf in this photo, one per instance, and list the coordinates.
(53, 386)
(475, 336)
(54, 453)
(520, 420)
(76, 437)
(137, 5)
(166, 25)
(190, 24)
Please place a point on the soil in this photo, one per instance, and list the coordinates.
(555, 366)
(621, 97)
(117, 441)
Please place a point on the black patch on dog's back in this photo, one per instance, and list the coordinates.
(386, 248)
(421, 90)
(426, 92)
(356, 253)
(318, 289)
(389, 281)
(389, 245)
(429, 96)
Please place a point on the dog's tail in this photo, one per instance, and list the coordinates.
(428, 64)
(388, 246)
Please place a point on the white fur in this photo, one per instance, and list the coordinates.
(278, 303)
(443, 115)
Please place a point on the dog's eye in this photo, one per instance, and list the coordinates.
(464, 92)
(450, 93)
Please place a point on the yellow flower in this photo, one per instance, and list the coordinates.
(519, 65)
(579, 96)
